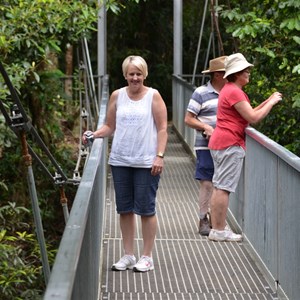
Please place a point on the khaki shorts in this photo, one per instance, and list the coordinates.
(228, 165)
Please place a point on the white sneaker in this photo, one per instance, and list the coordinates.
(227, 228)
(224, 236)
(126, 262)
(144, 264)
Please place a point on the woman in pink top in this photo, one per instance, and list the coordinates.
(227, 143)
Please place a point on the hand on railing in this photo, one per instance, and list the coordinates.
(88, 138)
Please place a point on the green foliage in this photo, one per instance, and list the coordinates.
(116, 6)
(268, 35)
(140, 30)
(32, 34)
(6, 138)
(3, 186)
(33, 37)
(36, 27)
(17, 278)
(20, 268)
(11, 217)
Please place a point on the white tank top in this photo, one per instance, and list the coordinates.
(135, 138)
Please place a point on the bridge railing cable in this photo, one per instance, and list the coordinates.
(88, 103)
(20, 124)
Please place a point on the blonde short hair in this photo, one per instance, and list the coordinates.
(137, 61)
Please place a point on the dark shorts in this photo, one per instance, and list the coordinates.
(135, 190)
(204, 165)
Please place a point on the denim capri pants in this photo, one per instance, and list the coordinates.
(135, 190)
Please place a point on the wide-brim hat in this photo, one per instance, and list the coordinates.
(235, 63)
(216, 65)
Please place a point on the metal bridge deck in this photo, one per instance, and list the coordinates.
(187, 266)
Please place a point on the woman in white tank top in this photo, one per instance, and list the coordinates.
(137, 117)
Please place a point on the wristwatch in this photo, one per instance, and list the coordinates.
(160, 154)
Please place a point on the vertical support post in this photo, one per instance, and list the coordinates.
(177, 54)
(64, 203)
(177, 35)
(35, 207)
(102, 46)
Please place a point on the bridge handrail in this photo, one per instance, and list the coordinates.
(289, 157)
(75, 273)
(266, 205)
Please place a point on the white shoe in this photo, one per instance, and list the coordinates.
(224, 236)
(126, 262)
(227, 228)
(144, 264)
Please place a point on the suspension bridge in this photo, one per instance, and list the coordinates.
(265, 209)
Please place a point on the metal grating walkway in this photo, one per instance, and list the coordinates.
(187, 266)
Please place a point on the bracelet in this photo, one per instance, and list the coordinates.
(160, 154)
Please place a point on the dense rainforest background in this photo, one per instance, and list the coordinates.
(40, 48)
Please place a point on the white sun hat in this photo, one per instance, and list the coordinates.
(235, 63)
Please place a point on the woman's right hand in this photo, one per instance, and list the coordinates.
(275, 98)
(87, 136)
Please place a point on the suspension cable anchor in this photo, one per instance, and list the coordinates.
(58, 179)
(17, 119)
